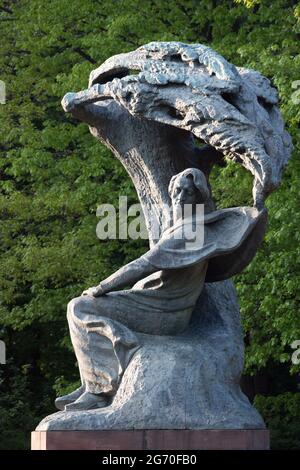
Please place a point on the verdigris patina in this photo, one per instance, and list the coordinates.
(168, 352)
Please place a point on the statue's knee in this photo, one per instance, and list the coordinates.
(72, 307)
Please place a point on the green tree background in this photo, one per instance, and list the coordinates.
(53, 175)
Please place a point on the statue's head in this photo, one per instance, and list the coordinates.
(188, 187)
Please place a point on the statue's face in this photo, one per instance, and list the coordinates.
(184, 192)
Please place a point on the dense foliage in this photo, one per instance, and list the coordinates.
(53, 175)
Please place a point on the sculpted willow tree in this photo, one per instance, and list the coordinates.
(169, 112)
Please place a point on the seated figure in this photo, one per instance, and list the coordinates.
(165, 285)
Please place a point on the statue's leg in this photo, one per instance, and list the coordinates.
(139, 310)
(103, 347)
(103, 340)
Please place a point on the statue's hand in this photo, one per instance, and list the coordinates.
(94, 291)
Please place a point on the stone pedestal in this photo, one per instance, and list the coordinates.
(153, 439)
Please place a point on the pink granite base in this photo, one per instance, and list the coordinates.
(152, 439)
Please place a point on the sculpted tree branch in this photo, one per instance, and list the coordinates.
(193, 88)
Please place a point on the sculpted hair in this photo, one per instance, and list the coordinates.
(199, 181)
